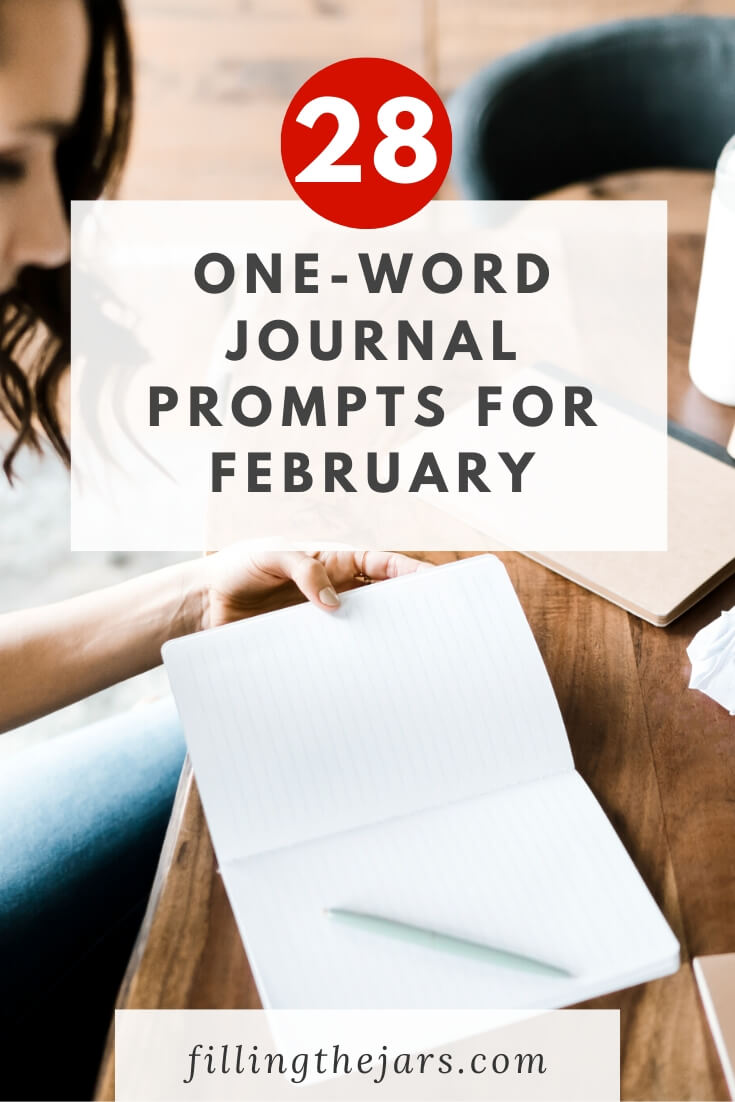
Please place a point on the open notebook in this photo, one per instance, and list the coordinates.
(406, 757)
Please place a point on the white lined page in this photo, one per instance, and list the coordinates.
(535, 869)
(416, 693)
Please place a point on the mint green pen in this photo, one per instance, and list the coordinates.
(445, 943)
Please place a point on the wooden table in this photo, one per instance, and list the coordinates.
(660, 758)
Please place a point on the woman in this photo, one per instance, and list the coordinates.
(82, 818)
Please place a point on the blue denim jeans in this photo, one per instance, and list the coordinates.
(82, 819)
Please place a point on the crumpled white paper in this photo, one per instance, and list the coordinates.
(712, 654)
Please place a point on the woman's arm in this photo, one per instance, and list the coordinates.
(55, 655)
(52, 656)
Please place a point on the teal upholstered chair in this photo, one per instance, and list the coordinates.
(634, 94)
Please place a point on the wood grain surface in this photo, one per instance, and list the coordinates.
(214, 79)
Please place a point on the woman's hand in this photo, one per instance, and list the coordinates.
(236, 583)
(56, 654)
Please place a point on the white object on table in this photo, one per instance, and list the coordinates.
(712, 353)
(712, 654)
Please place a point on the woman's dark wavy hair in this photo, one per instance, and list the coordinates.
(34, 315)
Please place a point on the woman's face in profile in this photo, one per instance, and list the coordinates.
(44, 46)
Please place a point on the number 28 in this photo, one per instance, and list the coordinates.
(323, 170)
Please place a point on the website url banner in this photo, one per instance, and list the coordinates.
(410, 1054)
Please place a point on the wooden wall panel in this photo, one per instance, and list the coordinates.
(215, 77)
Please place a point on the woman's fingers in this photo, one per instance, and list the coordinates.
(311, 577)
(379, 565)
(350, 569)
(318, 577)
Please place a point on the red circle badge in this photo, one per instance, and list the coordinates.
(366, 142)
